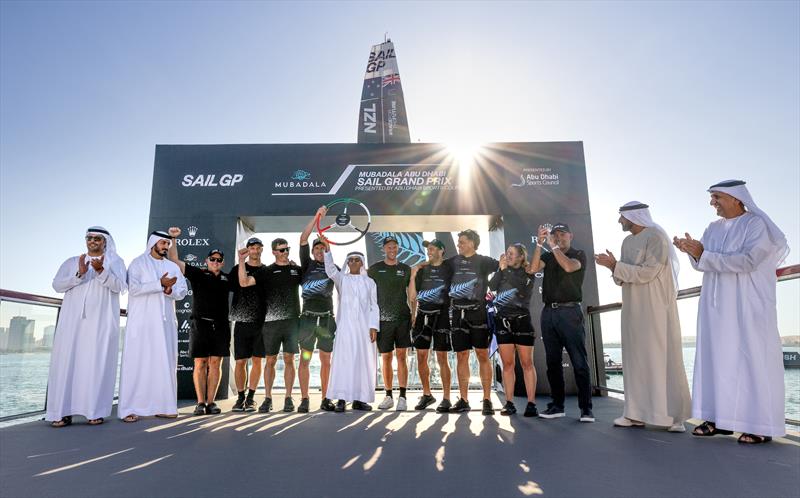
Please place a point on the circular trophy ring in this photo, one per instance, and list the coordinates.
(344, 220)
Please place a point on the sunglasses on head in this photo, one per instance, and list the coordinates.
(95, 238)
(283, 249)
(215, 260)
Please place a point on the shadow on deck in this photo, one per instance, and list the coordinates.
(387, 454)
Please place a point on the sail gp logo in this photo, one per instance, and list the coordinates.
(226, 180)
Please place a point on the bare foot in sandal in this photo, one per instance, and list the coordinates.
(709, 429)
(96, 421)
(746, 438)
(65, 421)
(131, 418)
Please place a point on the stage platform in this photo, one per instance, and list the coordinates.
(387, 453)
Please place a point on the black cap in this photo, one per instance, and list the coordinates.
(253, 241)
(316, 243)
(561, 227)
(216, 251)
(389, 238)
(435, 242)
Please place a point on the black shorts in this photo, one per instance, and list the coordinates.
(317, 332)
(469, 328)
(248, 340)
(436, 330)
(280, 332)
(517, 330)
(395, 334)
(209, 338)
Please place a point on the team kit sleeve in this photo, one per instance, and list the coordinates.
(305, 257)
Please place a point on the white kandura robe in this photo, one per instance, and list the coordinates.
(354, 358)
(738, 368)
(83, 362)
(148, 382)
(656, 389)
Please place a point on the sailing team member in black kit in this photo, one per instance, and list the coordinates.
(513, 285)
(282, 282)
(431, 323)
(469, 325)
(248, 308)
(392, 278)
(317, 323)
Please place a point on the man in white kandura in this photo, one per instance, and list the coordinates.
(353, 362)
(738, 367)
(656, 389)
(148, 385)
(83, 363)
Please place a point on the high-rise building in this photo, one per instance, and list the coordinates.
(3, 338)
(20, 334)
(49, 334)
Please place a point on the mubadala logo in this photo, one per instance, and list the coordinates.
(192, 231)
(300, 179)
(190, 258)
(203, 180)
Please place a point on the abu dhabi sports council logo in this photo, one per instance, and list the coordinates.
(537, 177)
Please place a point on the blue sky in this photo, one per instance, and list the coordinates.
(668, 98)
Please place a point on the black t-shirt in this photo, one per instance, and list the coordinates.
(559, 286)
(513, 287)
(433, 284)
(392, 282)
(317, 287)
(209, 293)
(282, 286)
(470, 277)
(249, 303)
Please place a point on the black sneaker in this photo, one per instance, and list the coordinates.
(249, 405)
(266, 406)
(327, 405)
(200, 409)
(587, 415)
(460, 406)
(508, 409)
(360, 405)
(288, 405)
(339, 406)
(425, 401)
(444, 406)
(303, 408)
(213, 409)
(552, 412)
(488, 409)
(239, 405)
(530, 410)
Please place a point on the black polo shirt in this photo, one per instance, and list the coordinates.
(209, 293)
(282, 283)
(559, 286)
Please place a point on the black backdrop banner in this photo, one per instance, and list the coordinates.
(206, 189)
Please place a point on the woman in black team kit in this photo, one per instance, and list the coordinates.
(513, 327)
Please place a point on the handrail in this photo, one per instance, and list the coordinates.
(784, 273)
(25, 298)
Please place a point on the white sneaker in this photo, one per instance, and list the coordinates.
(679, 427)
(626, 422)
(387, 403)
(401, 404)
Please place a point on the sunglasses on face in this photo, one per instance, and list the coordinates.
(215, 260)
(94, 238)
(282, 249)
